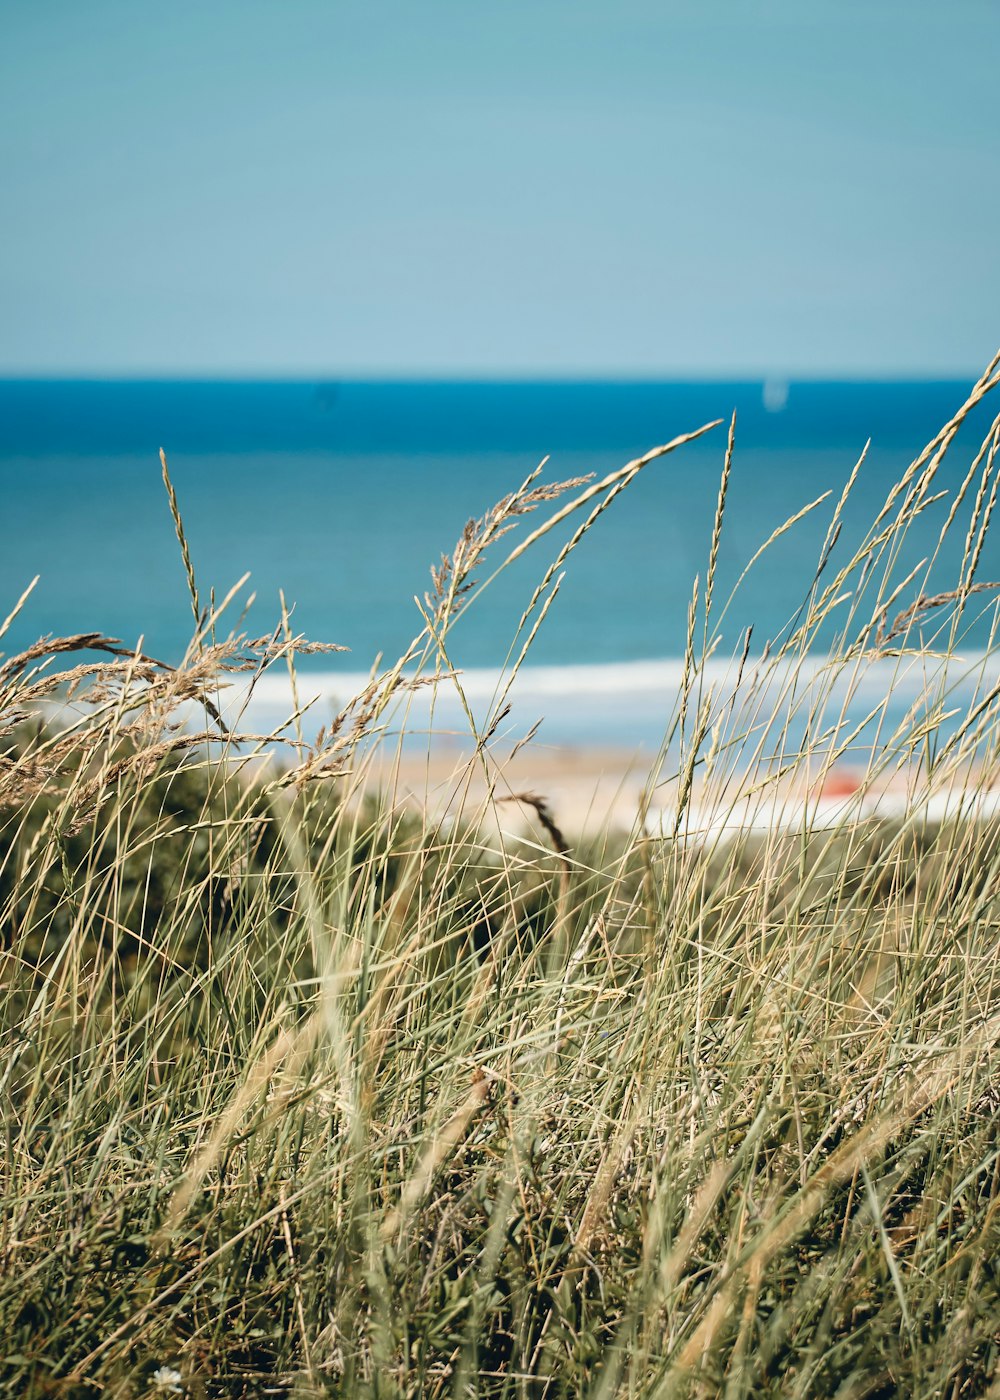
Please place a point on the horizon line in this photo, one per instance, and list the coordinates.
(519, 377)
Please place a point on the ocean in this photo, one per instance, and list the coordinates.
(343, 494)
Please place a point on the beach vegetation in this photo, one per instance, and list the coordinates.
(315, 1086)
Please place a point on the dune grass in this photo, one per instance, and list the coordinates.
(306, 1092)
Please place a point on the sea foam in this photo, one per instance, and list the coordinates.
(631, 704)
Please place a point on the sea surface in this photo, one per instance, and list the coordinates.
(342, 495)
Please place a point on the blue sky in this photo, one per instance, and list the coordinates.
(455, 187)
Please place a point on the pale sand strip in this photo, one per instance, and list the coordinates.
(590, 790)
(586, 789)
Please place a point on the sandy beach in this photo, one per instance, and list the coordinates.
(585, 789)
(589, 791)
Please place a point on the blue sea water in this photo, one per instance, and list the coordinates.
(343, 494)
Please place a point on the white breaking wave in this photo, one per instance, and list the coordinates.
(628, 704)
(613, 678)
